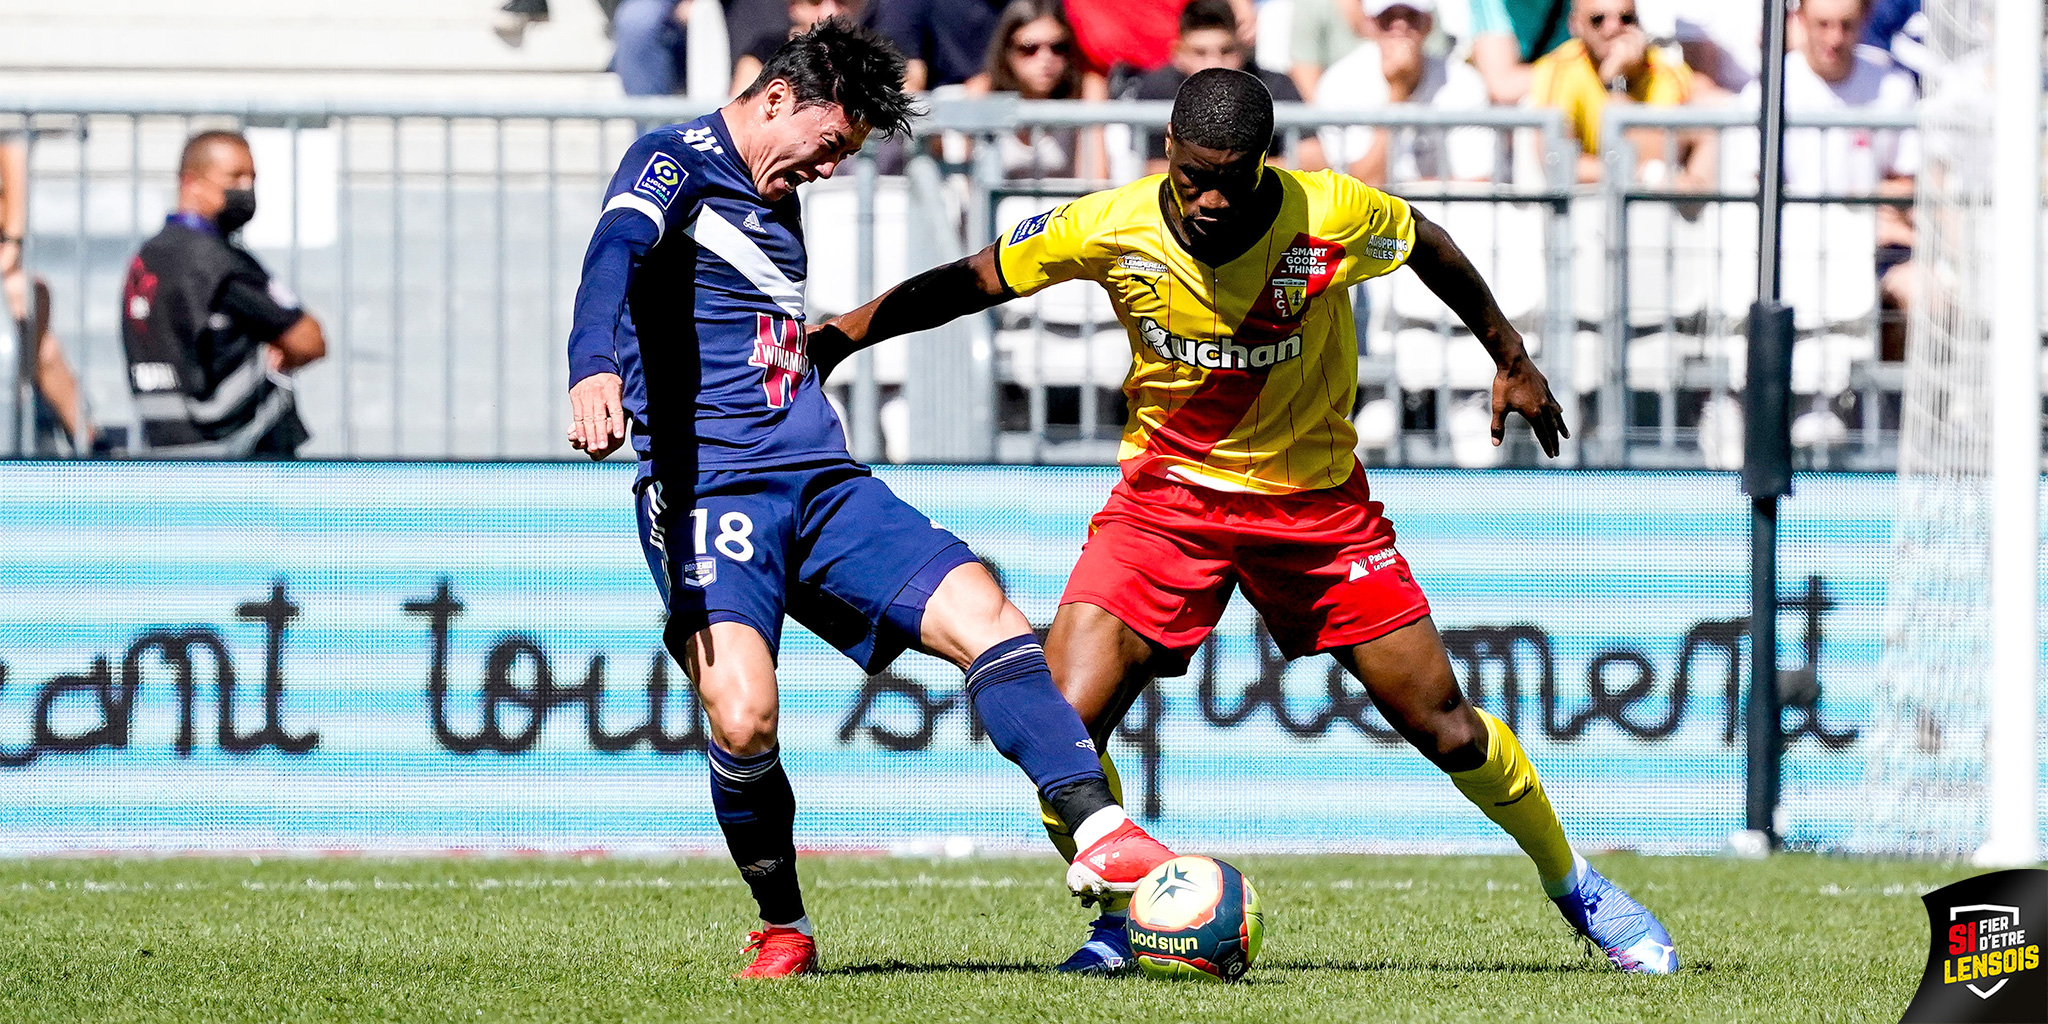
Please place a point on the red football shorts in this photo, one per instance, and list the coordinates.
(1319, 566)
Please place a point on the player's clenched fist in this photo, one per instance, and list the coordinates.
(597, 424)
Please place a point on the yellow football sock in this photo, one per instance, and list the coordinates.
(1061, 833)
(1507, 790)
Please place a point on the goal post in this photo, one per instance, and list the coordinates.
(2011, 755)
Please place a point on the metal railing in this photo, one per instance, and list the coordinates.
(440, 245)
(1681, 272)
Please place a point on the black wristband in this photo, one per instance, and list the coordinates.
(827, 346)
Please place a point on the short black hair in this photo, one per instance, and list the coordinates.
(840, 63)
(1201, 14)
(198, 154)
(1219, 108)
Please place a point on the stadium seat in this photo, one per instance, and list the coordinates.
(1011, 209)
(894, 420)
(1419, 355)
(1591, 269)
(1075, 304)
(1684, 362)
(1670, 260)
(1029, 357)
(1831, 265)
(1425, 360)
(1829, 275)
(832, 232)
(1589, 361)
(1378, 424)
(1505, 242)
(1471, 429)
(1820, 363)
(1682, 260)
(1720, 432)
(393, 48)
(892, 359)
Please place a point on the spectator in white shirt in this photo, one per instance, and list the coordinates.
(1393, 69)
(1830, 71)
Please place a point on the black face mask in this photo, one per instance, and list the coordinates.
(240, 207)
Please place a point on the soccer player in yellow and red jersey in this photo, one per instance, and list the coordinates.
(1238, 470)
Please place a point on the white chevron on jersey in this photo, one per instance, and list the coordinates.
(717, 234)
(635, 201)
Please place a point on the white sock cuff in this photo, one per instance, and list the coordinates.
(802, 924)
(1099, 824)
(1571, 881)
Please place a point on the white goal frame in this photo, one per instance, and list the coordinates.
(2012, 741)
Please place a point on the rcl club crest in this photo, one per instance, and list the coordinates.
(779, 347)
(1290, 296)
(1305, 270)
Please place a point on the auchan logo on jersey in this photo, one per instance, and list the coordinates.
(1225, 354)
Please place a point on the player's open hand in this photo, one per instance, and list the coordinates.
(1521, 387)
(597, 425)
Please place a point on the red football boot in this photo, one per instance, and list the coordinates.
(1115, 863)
(779, 953)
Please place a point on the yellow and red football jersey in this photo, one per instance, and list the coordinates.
(1242, 376)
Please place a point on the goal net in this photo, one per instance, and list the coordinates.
(1927, 785)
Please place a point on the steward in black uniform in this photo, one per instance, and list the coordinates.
(197, 316)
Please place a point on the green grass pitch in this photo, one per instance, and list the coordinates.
(534, 939)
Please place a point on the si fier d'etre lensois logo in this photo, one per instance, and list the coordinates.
(1985, 960)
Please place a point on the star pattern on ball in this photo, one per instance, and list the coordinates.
(1170, 882)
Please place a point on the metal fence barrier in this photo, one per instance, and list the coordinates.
(440, 245)
(1680, 275)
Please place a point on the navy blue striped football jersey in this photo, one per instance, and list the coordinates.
(693, 293)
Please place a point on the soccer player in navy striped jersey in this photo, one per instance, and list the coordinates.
(689, 327)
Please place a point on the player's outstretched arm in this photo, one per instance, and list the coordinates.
(1517, 384)
(597, 425)
(931, 299)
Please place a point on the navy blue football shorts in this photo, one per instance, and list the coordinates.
(828, 545)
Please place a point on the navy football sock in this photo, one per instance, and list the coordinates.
(757, 811)
(1031, 724)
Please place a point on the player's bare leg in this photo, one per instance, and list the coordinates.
(1408, 675)
(1102, 665)
(969, 622)
(734, 673)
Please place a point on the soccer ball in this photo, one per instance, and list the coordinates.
(1195, 917)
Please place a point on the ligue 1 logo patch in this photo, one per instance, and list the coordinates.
(1984, 963)
(660, 179)
(1031, 226)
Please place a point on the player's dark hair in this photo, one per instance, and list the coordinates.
(1201, 14)
(198, 154)
(1219, 108)
(840, 63)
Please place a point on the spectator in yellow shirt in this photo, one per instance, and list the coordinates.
(1610, 60)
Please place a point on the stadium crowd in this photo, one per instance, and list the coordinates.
(1577, 56)
(1583, 58)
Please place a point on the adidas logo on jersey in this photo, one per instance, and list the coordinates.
(1226, 354)
(753, 221)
